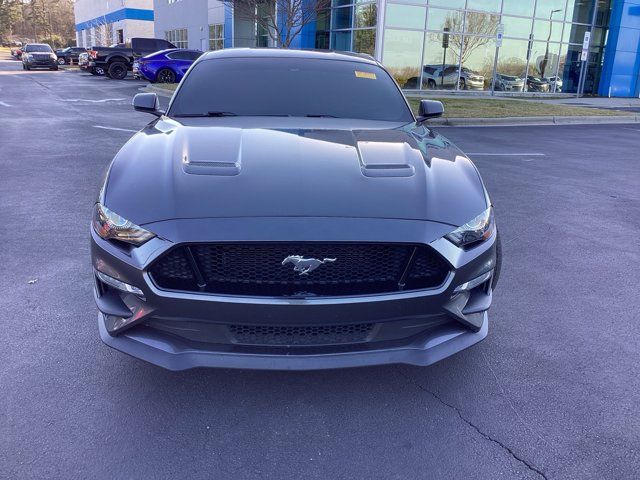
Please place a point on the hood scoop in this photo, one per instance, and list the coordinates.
(388, 159)
(216, 153)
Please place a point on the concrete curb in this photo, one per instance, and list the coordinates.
(550, 120)
(163, 92)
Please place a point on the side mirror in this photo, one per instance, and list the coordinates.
(428, 109)
(148, 103)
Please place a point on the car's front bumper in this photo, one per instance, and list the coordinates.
(178, 330)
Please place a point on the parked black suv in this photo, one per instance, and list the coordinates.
(117, 61)
(69, 55)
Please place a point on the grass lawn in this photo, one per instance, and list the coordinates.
(493, 108)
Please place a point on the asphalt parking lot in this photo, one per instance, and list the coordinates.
(553, 392)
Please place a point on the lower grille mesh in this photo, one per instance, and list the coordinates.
(334, 269)
(304, 335)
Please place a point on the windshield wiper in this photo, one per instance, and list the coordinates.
(320, 115)
(208, 114)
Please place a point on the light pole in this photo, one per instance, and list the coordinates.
(546, 52)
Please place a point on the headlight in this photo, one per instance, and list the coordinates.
(54, 56)
(111, 226)
(474, 231)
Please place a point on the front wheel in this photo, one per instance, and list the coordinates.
(462, 84)
(431, 84)
(117, 70)
(61, 61)
(166, 76)
(54, 68)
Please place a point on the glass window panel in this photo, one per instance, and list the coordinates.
(482, 23)
(341, 41)
(401, 55)
(518, 7)
(339, 3)
(574, 33)
(439, 19)
(441, 59)
(485, 5)
(448, 3)
(542, 65)
(569, 72)
(364, 41)
(547, 8)
(322, 41)
(598, 37)
(512, 64)
(366, 15)
(579, 11)
(517, 27)
(405, 16)
(342, 17)
(543, 30)
(594, 69)
(322, 20)
(604, 13)
(478, 54)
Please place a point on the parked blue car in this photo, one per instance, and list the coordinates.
(165, 66)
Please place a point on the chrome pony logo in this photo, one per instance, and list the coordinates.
(305, 265)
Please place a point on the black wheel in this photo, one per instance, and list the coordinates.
(27, 67)
(96, 71)
(117, 70)
(431, 84)
(61, 61)
(496, 272)
(54, 68)
(462, 84)
(23, 67)
(166, 76)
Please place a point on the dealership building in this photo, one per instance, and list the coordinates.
(542, 46)
(105, 22)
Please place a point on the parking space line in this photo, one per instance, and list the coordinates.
(94, 101)
(115, 128)
(485, 154)
(4, 104)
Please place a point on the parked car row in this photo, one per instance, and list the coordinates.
(153, 59)
(449, 76)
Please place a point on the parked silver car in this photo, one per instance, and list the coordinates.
(508, 83)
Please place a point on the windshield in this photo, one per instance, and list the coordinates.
(290, 87)
(38, 48)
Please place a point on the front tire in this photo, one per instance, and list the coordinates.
(166, 76)
(117, 71)
(61, 61)
(462, 84)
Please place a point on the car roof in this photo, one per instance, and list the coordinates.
(288, 53)
(37, 44)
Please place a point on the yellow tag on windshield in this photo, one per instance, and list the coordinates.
(369, 75)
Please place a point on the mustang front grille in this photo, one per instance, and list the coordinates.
(299, 269)
(300, 335)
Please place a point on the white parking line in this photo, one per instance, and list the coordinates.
(114, 128)
(4, 104)
(94, 101)
(484, 154)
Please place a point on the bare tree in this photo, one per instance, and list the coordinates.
(476, 25)
(281, 20)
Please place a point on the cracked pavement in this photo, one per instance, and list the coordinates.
(553, 392)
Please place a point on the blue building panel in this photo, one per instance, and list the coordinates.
(118, 15)
(621, 68)
(228, 26)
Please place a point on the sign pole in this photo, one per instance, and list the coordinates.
(499, 35)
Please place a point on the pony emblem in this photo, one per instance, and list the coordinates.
(305, 265)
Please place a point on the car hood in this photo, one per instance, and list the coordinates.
(230, 168)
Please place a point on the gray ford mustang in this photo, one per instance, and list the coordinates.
(288, 211)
